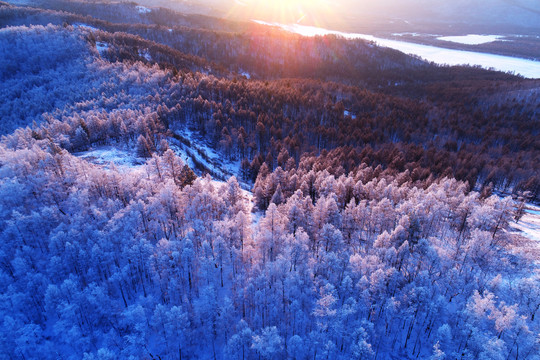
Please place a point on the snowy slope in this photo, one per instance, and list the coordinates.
(529, 224)
(105, 155)
(528, 230)
(202, 158)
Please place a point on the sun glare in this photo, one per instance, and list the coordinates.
(306, 12)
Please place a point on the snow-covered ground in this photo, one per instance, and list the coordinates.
(471, 39)
(199, 152)
(524, 67)
(348, 113)
(142, 9)
(145, 54)
(191, 147)
(101, 47)
(527, 232)
(529, 225)
(105, 155)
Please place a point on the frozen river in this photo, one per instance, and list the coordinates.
(524, 67)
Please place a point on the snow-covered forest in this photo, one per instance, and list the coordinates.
(263, 218)
(102, 263)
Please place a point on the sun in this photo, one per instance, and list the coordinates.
(309, 12)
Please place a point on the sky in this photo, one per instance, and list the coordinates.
(298, 11)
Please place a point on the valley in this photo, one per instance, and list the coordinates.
(416, 45)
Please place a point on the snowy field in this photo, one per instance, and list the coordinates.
(528, 230)
(106, 155)
(471, 39)
(529, 225)
(193, 150)
(524, 67)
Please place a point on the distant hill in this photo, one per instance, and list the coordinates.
(459, 16)
(483, 15)
(510, 15)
